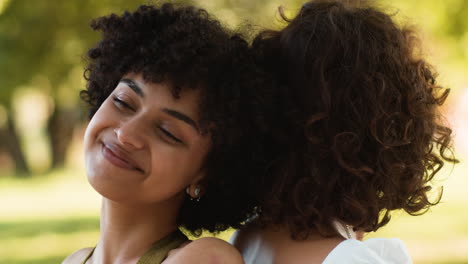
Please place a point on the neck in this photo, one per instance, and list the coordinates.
(129, 230)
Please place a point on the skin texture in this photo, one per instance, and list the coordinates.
(141, 157)
(140, 127)
(205, 250)
(78, 256)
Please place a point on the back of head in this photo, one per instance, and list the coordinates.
(360, 134)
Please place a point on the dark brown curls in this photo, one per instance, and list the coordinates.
(363, 133)
(189, 49)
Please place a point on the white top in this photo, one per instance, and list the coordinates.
(373, 250)
(350, 251)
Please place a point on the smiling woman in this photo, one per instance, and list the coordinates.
(142, 146)
(175, 133)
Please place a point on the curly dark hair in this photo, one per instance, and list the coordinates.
(186, 47)
(360, 133)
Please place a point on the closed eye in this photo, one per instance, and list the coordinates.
(171, 136)
(121, 103)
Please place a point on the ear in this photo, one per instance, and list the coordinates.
(197, 187)
(198, 179)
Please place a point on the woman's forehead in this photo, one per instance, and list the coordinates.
(187, 98)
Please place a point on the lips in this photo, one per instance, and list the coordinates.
(115, 155)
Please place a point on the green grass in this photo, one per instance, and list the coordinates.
(46, 260)
(42, 241)
(47, 217)
(25, 229)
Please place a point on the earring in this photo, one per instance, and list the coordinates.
(196, 192)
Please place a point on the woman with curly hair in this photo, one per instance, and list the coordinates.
(174, 105)
(358, 134)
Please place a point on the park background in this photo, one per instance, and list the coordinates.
(47, 209)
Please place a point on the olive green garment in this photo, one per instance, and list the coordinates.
(158, 252)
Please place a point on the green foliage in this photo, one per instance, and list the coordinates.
(47, 38)
(42, 44)
(444, 27)
(50, 234)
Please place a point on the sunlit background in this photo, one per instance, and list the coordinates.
(47, 209)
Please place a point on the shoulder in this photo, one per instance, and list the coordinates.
(374, 250)
(78, 256)
(208, 250)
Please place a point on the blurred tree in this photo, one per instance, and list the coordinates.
(47, 39)
(444, 25)
(42, 45)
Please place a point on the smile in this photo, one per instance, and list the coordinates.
(112, 155)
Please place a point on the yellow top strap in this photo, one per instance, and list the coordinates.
(158, 252)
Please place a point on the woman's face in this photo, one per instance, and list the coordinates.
(143, 145)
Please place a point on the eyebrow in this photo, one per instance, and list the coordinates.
(134, 86)
(182, 117)
(178, 115)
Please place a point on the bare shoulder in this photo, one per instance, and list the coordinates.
(78, 256)
(208, 250)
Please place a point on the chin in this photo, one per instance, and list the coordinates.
(109, 190)
(107, 181)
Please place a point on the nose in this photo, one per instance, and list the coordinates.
(130, 134)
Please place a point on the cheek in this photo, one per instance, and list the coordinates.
(171, 172)
(91, 133)
(101, 119)
(91, 150)
(88, 134)
(168, 169)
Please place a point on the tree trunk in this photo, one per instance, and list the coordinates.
(60, 128)
(11, 142)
